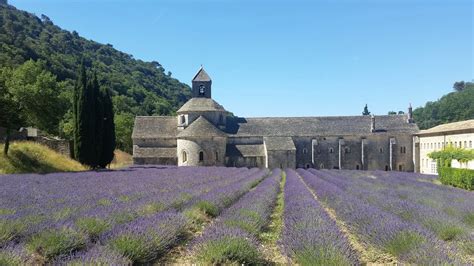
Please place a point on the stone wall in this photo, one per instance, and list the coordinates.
(281, 159)
(210, 147)
(59, 145)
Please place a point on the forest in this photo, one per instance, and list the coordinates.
(39, 59)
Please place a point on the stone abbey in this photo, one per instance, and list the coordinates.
(205, 134)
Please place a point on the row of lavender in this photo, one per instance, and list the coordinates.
(445, 211)
(375, 226)
(233, 236)
(111, 209)
(310, 236)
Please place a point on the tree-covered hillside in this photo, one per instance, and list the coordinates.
(452, 107)
(138, 87)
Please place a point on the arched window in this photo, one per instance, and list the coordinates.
(201, 156)
(305, 151)
(400, 167)
(386, 167)
(357, 167)
(321, 166)
(331, 150)
(184, 156)
(381, 150)
(217, 156)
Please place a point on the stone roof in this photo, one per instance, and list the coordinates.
(279, 143)
(200, 105)
(255, 150)
(201, 128)
(147, 152)
(466, 125)
(313, 126)
(155, 127)
(201, 75)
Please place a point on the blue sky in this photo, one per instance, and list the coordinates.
(290, 58)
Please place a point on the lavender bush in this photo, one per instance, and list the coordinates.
(407, 241)
(310, 236)
(232, 237)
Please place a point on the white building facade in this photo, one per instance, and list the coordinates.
(457, 134)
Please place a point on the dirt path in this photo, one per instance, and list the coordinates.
(368, 255)
(271, 234)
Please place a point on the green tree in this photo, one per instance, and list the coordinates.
(124, 126)
(452, 107)
(108, 128)
(35, 90)
(94, 130)
(366, 110)
(392, 113)
(10, 117)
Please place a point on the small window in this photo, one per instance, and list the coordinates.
(465, 144)
(182, 119)
(307, 165)
(331, 150)
(201, 156)
(305, 151)
(381, 150)
(400, 167)
(217, 156)
(347, 150)
(184, 156)
(321, 166)
(357, 167)
(470, 144)
(386, 168)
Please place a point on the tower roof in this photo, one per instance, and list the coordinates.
(201, 128)
(200, 105)
(201, 75)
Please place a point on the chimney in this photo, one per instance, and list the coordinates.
(410, 115)
(372, 123)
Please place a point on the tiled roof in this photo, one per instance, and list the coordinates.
(279, 143)
(456, 126)
(200, 105)
(313, 126)
(201, 75)
(155, 127)
(201, 128)
(256, 150)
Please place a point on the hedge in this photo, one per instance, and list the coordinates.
(457, 177)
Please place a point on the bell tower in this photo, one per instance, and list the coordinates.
(202, 84)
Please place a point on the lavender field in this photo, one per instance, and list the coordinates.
(215, 215)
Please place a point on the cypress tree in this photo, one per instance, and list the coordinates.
(94, 128)
(78, 109)
(108, 142)
(98, 121)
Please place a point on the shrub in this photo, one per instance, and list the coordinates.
(208, 208)
(403, 242)
(93, 227)
(316, 255)
(50, 244)
(457, 177)
(134, 247)
(9, 230)
(229, 250)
